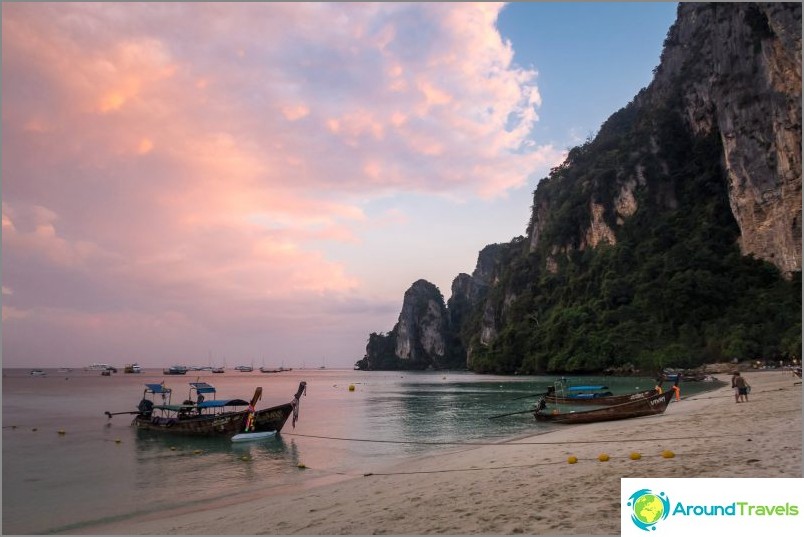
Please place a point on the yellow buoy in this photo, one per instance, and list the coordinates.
(667, 454)
(635, 456)
(61, 431)
(172, 448)
(197, 451)
(572, 459)
(302, 466)
(351, 387)
(602, 457)
(117, 440)
(244, 458)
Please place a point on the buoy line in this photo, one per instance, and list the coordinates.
(603, 458)
(514, 443)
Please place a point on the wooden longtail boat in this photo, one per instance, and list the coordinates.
(595, 399)
(646, 406)
(216, 417)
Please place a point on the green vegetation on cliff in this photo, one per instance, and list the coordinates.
(673, 290)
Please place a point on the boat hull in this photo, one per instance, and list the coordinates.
(225, 424)
(646, 406)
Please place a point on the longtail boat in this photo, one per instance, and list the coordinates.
(645, 406)
(602, 400)
(209, 417)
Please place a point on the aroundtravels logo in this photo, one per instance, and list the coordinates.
(669, 505)
(648, 508)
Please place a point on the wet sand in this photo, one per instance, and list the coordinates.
(524, 485)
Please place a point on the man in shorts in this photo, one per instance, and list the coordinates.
(742, 388)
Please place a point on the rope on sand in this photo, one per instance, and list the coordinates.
(515, 443)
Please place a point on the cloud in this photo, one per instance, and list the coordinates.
(201, 153)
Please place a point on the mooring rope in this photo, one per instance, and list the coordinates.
(514, 442)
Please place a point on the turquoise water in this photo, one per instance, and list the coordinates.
(104, 470)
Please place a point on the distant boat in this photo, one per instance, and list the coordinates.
(132, 368)
(97, 367)
(244, 368)
(280, 369)
(175, 370)
(218, 370)
(37, 373)
(65, 369)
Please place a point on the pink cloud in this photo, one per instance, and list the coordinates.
(180, 156)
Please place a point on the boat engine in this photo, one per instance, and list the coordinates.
(146, 407)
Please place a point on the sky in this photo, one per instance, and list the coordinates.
(260, 183)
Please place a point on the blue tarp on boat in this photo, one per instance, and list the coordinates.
(157, 388)
(222, 402)
(590, 395)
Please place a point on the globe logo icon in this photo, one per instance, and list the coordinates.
(648, 508)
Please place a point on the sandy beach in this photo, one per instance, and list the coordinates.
(524, 485)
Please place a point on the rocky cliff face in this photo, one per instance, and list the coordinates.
(423, 323)
(734, 70)
(635, 240)
(738, 68)
(469, 292)
(420, 339)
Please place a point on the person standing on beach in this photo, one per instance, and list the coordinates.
(742, 388)
(734, 386)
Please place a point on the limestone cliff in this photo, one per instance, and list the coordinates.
(672, 236)
(421, 338)
(738, 68)
(733, 70)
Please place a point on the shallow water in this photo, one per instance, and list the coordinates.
(104, 470)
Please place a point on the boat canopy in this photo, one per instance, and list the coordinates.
(217, 403)
(202, 387)
(586, 388)
(157, 388)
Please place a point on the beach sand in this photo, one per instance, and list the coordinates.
(525, 485)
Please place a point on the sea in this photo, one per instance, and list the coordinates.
(68, 466)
